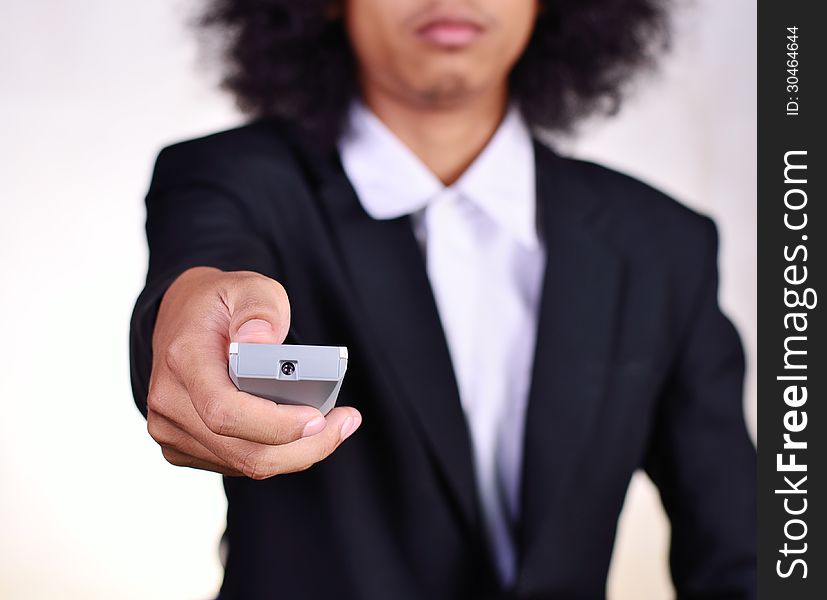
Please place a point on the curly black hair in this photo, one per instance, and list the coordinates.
(292, 59)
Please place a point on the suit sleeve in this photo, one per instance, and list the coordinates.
(701, 457)
(198, 213)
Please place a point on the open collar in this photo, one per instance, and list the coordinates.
(391, 181)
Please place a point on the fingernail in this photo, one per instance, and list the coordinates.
(253, 330)
(314, 426)
(349, 426)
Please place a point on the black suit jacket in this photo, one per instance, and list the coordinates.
(635, 367)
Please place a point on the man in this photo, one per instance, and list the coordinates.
(525, 330)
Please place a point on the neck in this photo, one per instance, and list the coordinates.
(446, 139)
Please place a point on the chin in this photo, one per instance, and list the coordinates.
(446, 89)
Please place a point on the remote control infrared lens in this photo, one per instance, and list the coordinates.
(287, 368)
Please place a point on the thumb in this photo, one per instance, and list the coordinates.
(256, 331)
(259, 311)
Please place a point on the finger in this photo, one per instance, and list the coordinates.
(260, 461)
(181, 449)
(229, 412)
(173, 421)
(267, 461)
(259, 310)
(209, 401)
(179, 459)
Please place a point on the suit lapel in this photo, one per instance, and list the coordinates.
(383, 261)
(574, 343)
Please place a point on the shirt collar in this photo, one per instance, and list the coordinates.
(391, 181)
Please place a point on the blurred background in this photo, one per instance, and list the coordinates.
(91, 90)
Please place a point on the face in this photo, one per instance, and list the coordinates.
(437, 52)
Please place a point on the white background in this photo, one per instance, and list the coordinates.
(90, 90)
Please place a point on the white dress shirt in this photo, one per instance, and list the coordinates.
(485, 266)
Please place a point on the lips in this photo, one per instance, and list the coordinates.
(450, 30)
(449, 34)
